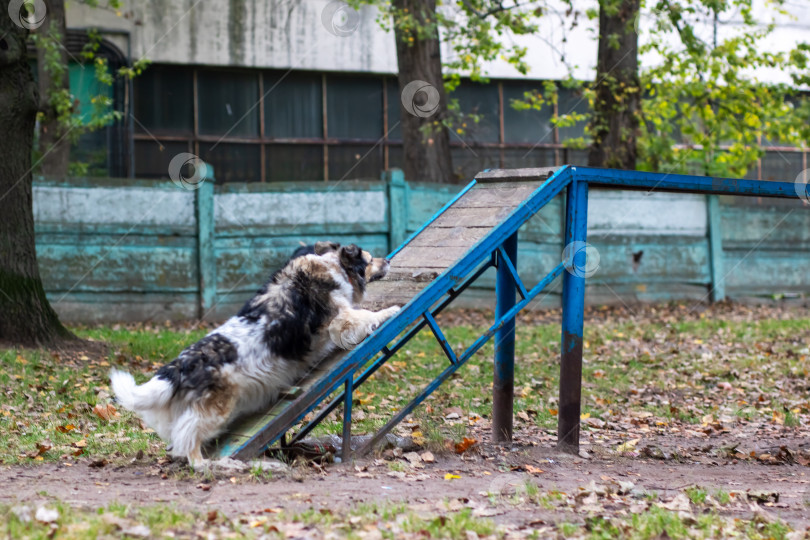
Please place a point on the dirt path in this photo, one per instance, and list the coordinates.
(489, 480)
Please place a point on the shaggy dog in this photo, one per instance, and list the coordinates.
(301, 315)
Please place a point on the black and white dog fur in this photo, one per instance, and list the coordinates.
(301, 315)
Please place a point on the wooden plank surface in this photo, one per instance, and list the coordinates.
(383, 294)
(446, 240)
(496, 195)
(430, 257)
(472, 217)
(515, 175)
(449, 237)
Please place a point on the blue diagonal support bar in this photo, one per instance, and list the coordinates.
(510, 267)
(443, 343)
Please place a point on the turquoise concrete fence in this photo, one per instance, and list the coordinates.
(136, 250)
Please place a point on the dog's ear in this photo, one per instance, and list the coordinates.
(325, 247)
(349, 255)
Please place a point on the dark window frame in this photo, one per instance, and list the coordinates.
(501, 149)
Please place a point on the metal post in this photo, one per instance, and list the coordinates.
(503, 384)
(347, 419)
(573, 308)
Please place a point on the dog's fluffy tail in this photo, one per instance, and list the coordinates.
(153, 394)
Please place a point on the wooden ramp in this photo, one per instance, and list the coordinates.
(433, 251)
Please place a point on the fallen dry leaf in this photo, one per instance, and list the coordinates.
(464, 445)
(105, 412)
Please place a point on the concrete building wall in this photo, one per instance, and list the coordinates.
(293, 34)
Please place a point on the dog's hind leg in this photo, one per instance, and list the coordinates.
(191, 430)
(351, 326)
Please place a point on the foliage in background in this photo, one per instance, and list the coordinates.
(704, 110)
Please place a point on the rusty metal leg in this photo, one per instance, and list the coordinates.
(503, 384)
(573, 306)
(347, 420)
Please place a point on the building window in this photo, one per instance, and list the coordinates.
(228, 104)
(281, 126)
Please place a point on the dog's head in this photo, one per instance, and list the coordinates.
(361, 267)
(318, 248)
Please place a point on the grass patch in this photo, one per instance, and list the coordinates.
(660, 372)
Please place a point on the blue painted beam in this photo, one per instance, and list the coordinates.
(685, 183)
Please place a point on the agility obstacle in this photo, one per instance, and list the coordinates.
(475, 231)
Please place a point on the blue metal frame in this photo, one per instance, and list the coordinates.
(573, 314)
(503, 373)
(499, 244)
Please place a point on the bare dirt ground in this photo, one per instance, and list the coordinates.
(489, 480)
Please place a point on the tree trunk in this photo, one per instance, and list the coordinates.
(26, 317)
(614, 125)
(53, 144)
(425, 139)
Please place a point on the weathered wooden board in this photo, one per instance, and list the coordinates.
(444, 237)
(496, 195)
(424, 200)
(516, 175)
(409, 273)
(383, 294)
(429, 257)
(472, 217)
(103, 307)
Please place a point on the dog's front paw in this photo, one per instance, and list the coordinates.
(391, 311)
